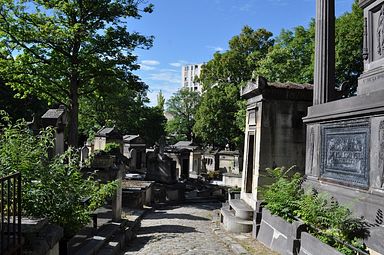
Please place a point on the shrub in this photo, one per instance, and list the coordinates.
(330, 220)
(326, 218)
(112, 147)
(282, 195)
(51, 188)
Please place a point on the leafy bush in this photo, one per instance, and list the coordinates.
(326, 218)
(282, 195)
(330, 220)
(112, 147)
(51, 188)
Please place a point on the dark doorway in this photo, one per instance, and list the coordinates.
(185, 168)
(139, 158)
(173, 170)
(250, 158)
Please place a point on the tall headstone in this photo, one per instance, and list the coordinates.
(345, 138)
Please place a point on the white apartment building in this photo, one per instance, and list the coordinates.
(188, 75)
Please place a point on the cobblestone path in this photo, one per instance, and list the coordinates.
(185, 229)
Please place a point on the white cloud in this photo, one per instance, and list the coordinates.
(150, 62)
(215, 48)
(175, 64)
(146, 67)
(167, 76)
(178, 63)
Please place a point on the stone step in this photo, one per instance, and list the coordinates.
(93, 244)
(114, 246)
(242, 209)
(75, 243)
(234, 224)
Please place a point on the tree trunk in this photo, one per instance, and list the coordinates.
(74, 115)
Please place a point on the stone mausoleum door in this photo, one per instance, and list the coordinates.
(250, 162)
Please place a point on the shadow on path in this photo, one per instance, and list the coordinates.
(181, 216)
(166, 229)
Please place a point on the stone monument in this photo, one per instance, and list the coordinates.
(345, 138)
(274, 133)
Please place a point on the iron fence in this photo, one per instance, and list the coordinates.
(10, 213)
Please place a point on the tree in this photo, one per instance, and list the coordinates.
(152, 126)
(349, 44)
(20, 108)
(182, 106)
(63, 51)
(123, 108)
(160, 100)
(291, 58)
(221, 114)
(237, 64)
(216, 118)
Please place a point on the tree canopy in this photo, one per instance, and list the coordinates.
(64, 51)
(219, 119)
(182, 106)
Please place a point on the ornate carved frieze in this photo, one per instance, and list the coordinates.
(345, 152)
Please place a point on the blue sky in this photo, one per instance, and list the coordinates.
(190, 31)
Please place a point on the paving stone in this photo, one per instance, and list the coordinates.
(179, 230)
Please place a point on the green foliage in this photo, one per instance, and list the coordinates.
(349, 44)
(331, 220)
(216, 118)
(324, 216)
(221, 115)
(282, 195)
(51, 188)
(290, 59)
(160, 101)
(17, 107)
(182, 106)
(111, 147)
(66, 51)
(292, 56)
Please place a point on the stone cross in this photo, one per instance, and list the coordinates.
(324, 77)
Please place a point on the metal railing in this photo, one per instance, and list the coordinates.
(10, 213)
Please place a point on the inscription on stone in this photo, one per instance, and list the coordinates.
(345, 153)
(252, 118)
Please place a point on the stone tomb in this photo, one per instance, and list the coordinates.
(274, 136)
(135, 149)
(345, 138)
(275, 133)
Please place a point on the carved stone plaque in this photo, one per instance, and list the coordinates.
(345, 152)
(252, 117)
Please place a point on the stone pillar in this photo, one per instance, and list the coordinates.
(117, 198)
(324, 77)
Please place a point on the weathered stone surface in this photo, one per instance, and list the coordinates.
(313, 246)
(274, 232)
